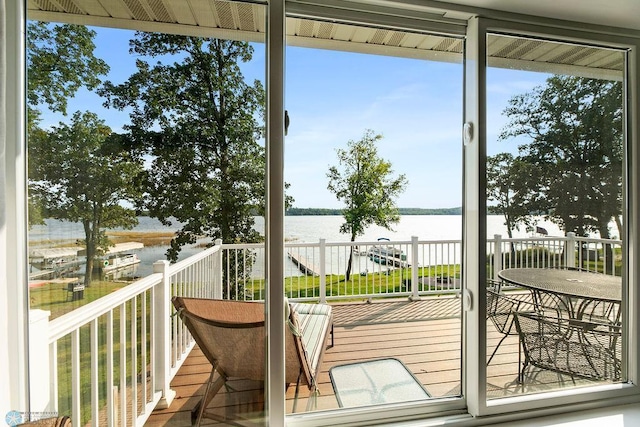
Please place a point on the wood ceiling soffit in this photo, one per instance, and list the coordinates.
(204, 14)
(182, 13)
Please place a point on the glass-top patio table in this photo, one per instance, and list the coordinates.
(375, 382)
(580, 293)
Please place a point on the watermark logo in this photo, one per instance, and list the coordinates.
(13, 418)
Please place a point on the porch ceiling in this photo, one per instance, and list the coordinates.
(246, 21)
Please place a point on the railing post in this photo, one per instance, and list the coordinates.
(162, 334)
(322, 272)
(415, 286)
(217, 273)
(570, 250)
(497, 255)
(41, 379)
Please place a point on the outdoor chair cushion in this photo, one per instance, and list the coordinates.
(315, 322)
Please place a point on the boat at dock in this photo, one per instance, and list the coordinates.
(387, 255)
(116, 262)
(388, 261)
(386, 251)
(118, 257)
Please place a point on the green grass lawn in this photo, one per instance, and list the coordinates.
(55, 298)
(372, 283)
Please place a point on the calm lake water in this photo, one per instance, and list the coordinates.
(298, 229)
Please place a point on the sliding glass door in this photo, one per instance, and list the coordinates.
(555, 174)
(373, 165)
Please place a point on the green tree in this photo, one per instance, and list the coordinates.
(201, 124)
(575, 128)
(60, 60)
(508, 190)
(364, 182)
(82, 173)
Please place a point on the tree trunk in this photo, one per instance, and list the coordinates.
(90, 247)
(618, 220)
(512, 245)
(347, 275)
(608, 251)
(608, 259)
(88, 269)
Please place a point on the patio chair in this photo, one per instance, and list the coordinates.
(62, 421)
(574, 347)
(231, 335)
(500, 310)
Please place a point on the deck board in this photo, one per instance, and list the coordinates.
(425, 336)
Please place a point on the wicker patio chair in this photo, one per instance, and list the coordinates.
(231, 334)
(501, 308)
(573, 347)
(63, 421)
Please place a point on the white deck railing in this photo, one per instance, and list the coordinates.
(110, 362)
(315, 271)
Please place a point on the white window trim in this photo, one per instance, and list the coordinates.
(13, 227)
(475, 218)
(274, 221)
(13, 235)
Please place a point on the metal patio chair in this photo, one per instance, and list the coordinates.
(568, 346)
(501, 308)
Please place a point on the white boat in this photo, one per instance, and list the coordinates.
(115, 262)
(119, 257)
(386, 251)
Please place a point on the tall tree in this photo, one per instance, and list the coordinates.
(201, 124)
(60, 60)
(365, 183)
(575, 127)
(509, 191)
(82, 173)
(575, 130)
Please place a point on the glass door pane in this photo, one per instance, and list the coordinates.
(374, 167)
(555, 182)
(156, 165)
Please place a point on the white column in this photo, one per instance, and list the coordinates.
(217, 274)
(570, 250)
(414, 269)
(13, 260)
(497, 255)
(162, 334)
(39, 374)
(323, 272)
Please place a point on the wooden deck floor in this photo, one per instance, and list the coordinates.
(425, 335)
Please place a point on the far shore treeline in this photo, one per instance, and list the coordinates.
(402, 211)
(337, 211)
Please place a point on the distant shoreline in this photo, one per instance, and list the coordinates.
(402, 211)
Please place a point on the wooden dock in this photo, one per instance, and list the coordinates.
(305, 265)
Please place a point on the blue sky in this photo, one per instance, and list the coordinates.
(333, 97)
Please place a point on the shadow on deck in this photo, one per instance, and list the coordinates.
(425, 335)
